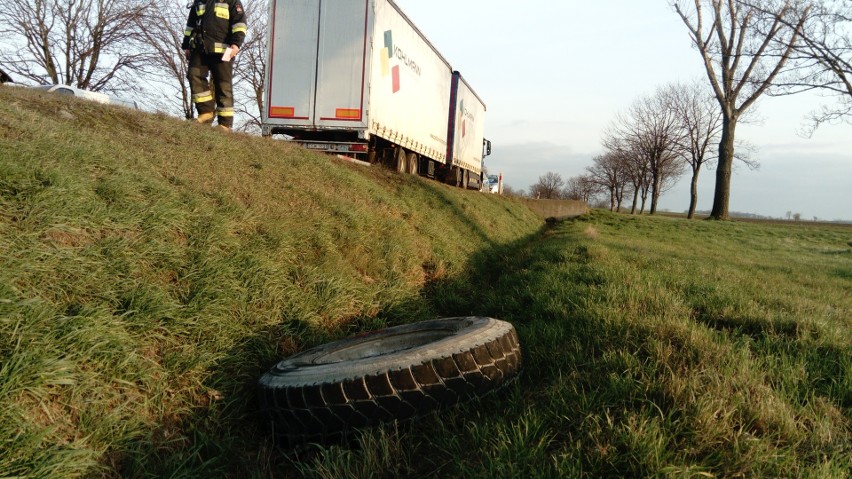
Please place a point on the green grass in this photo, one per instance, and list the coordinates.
(151, 270)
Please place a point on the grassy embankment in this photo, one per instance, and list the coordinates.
(152, 269)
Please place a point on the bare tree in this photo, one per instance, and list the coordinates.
(744, 49)
(92, 44)
(163, 32)
(580, 188)
(635, 166)
(549, 186)
(829, 43)
(639, 172)
(608, 173)
(824, 58)
(648, 133)
(701, 124)
(509, 191)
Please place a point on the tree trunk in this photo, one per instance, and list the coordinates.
(635, 200)
(655, 189)
(722, 194)
(619, 196)
(693, 194)
(655, 198)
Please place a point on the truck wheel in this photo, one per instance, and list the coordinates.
(401, 160)
(322, 394)
(412, 163)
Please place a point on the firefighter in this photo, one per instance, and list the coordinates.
(214, 33)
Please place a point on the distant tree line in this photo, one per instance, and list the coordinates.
(750, 48)
(646, 150)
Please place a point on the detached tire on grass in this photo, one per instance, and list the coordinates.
(323, 393)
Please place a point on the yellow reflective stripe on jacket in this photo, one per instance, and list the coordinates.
(219, 47)
(226, 111)
(221, 10)
(238, 27)
(187, 32)
(200, 10)
(202, 97)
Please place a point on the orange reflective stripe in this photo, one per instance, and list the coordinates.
(284, 111)
(347, 113)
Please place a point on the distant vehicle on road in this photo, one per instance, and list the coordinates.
(491, 184)
(88, 95)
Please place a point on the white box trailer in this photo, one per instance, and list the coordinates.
(356, 77)
(466, 133)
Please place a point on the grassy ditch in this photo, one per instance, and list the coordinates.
(153, 269)
(660, 347)
(654, 347)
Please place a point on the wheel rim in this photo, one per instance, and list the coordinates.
(401, 160)
(412, 164)
(383, 346)
(376, 344)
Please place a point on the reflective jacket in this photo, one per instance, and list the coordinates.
(215, 23)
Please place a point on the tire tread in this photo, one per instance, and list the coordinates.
(331, 410)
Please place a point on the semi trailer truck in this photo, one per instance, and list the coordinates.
(358, 78)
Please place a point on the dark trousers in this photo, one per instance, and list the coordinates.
(216, 97)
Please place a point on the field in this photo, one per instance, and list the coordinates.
(151, 270)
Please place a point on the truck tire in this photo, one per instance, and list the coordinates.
(454, 177)
(324, 393)
(401, 160)
(412, 163)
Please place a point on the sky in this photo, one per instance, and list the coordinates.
(555, 73)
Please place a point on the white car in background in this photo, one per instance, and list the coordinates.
(491, 184)
(88, 95)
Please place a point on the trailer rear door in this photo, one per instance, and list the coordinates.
(317, 63)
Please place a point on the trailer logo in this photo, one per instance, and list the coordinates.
(389, 52)
(464, 116)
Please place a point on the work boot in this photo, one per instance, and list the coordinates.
(223, 127)
(206, 118)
